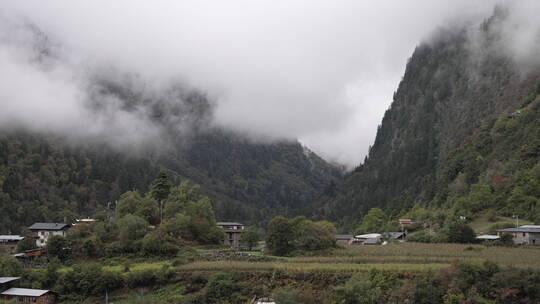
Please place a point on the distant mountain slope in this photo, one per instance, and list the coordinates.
(452, 91)
(46, 177)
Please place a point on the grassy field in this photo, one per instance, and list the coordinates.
(482, 224)
(306, 267)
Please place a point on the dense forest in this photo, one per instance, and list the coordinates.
(464, 121)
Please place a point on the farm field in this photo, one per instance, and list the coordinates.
(398, 257)
(314, 275)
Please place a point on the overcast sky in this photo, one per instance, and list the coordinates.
(320, 71)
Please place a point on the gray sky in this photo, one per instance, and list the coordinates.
(320, 71)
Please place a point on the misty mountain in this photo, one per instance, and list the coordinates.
(47, 176)
(465, 117)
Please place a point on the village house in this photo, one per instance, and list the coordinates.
(8, 243)
(344, 239)
(42, 231)
(233, 232)
(523, 235)
(25, 295)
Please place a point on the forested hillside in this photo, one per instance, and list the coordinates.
(464, 119)
(46, 177)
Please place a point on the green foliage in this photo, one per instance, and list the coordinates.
(279, 236)
(375, 287)
(131, 227)
(87, 280)
(220, 288)
(10, 267)
(155, 244)
(26, 244)
(374, 221)
(133, 203)
(57, 246)
(250, 237)
(309, 235)
(461, 233)
(161, 187)
(284, 236)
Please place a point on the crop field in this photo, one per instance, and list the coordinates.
(440, 253)
(398, 257)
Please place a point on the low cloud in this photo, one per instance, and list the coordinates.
(322, 72)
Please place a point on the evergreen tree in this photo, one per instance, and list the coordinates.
(161, 187)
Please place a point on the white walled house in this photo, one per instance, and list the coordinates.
(43, 231)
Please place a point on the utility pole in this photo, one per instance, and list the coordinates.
(516, 216)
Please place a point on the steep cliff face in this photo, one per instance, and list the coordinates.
(452, 88)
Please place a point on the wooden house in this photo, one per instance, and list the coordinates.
(233, 232)
(8, 243)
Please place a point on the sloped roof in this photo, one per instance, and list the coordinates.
(48, 226)
(229, 224)
(4, 280)
(526, 228)
(488, 237)
(11, 237)
(394, 234)
(344, 236)
(24, 292)
(368, 236)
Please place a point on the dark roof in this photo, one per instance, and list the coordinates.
(521, 229)
(49, 226)
(344, 236)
